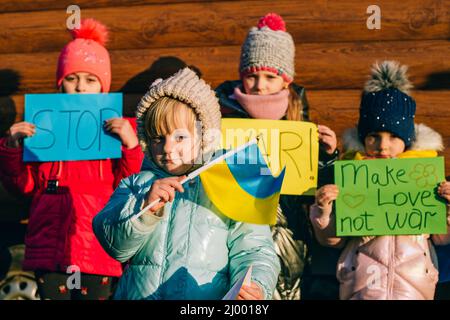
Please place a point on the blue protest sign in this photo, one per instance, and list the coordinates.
(70, 126)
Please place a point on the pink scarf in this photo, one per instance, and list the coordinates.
(272, 106)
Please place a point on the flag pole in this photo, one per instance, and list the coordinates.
(197, 172)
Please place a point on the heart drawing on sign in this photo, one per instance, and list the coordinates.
(353, 201)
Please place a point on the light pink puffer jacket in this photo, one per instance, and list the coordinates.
(384, 267)
(388, 268)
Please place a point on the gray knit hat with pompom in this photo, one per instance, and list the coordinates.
(269, 47)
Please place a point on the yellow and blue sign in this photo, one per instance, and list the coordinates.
(293, 145)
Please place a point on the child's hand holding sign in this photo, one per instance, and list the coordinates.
(325, 197)
(444, 192)
(18, 131)
(124, 130)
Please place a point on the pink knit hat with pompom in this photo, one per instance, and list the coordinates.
(86, 53)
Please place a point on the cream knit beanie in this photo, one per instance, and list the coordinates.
(188, 88)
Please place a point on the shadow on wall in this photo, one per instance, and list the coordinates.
(9, 85)
(437, 81)
(14, 208)
(138, 85)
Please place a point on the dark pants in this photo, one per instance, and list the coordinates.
(55, 286)
(319, 287)
(442, 291)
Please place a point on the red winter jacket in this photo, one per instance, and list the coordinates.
(60, 226)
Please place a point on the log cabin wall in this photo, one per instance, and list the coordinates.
(150, 38)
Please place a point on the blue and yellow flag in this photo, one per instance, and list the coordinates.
(242, 187)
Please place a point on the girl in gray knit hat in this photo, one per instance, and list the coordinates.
(183, 247)
(266, 91)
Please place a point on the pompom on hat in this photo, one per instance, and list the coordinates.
(385, 103)
(269, 47)
(188, 88)
(86, 53)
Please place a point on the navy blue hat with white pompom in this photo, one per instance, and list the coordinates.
(386, 105)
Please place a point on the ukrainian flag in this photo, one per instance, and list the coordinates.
(242, 187)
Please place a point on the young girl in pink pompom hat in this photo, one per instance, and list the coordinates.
(67, 195)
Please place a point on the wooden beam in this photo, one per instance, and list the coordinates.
(43, 5)
(219, 23)
(318, 65)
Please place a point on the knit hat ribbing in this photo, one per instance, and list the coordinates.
(385, 104)
(86, 53)
(269, 47)
(186, 87)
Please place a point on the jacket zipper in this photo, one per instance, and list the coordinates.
(166, 239)
(174, 206)
(191, 216)
(390, 268)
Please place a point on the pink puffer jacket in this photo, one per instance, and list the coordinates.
(384, 267)
(381, 268)
(388, 268)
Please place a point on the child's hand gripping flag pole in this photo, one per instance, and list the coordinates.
(241, 187)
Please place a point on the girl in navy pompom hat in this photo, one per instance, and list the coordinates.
(386, 129)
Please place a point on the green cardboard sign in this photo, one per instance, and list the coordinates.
(390, 197)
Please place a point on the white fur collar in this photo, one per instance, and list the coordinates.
(426, 139)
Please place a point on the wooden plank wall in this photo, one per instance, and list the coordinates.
(334, 48)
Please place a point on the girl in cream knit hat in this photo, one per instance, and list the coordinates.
(183, 247)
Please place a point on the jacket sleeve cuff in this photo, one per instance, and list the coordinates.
(441, 239)
(131, 153)
(11, 158)
(318, 219)
(146, 222)
(266, 292)
(326, 159)
(9, 150)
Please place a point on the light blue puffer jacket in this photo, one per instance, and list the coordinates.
(192, 252)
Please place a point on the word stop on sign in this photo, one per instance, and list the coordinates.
(70, 126)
